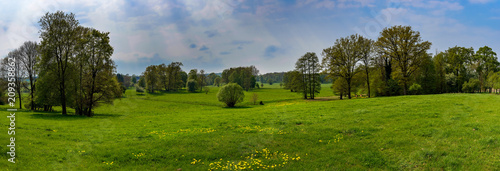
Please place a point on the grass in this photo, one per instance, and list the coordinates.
(193, 131)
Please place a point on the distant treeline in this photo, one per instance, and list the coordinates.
(278, 77)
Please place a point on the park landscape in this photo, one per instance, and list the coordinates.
(359, 104)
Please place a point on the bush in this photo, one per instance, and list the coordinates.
(470, 86)
(206, 90)
(139, 89)
(393, 87)
(191, 85)
(254, 98)
(415, 88)
(231, 94)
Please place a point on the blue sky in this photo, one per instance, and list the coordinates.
(217, 34)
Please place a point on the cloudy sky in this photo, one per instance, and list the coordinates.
(270, 34)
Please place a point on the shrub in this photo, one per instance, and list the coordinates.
(231, 94)
(415, 88)
(206, 90)
(139, 89)
(191, 85)
(470, 86)
(254, 98)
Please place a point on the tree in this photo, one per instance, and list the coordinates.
(308, 65)
(29, 59)
(192, 85)
(59, 36)
(19, 72)
(405, 47)
(270, 81)
(366, 50)
(192, 76)
(471, 86)
(485, 61)
(494, 81)
(440, 68)
(243, 76)
(151, 76)
(293, 81)
(340, 86)
(254, 98)
(415, 88)
(211, 78)
(175, 76)
(231, 94)
(340, 59)
(217, 81)
(426, 75)
(142, 82)
(99, 85)
(457, 59)
(134, 79)
(202, 79)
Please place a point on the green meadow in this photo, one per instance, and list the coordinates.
(193, 131)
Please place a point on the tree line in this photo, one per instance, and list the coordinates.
(397, 63)
(70, 67)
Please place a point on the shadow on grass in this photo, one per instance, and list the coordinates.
(159, 93)
(59, 116)
(237, 107)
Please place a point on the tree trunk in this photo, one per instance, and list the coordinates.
(368, 81)
(404, 87)
(32, 87)
(63, 97)
(349, 88)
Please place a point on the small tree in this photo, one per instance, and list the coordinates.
(142, 82)
(270, 81)
(254, 98)
(262, 85)
(139, 89)
(415, 88)
(231, 94)
(206, 90)
(192, 84)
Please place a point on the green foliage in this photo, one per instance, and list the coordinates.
(217, 81)
(142, 82)
(243, 76)
(134, 79)
(270, 81)
(206, 90)
(340, 87)
(393, 87)
(231, 94)
(415, 88)
(192, 85)
(308, 66)
(407, 59)
(471, 86)
(457, 59)
(139, 89)
(340, 60)
(254, 99)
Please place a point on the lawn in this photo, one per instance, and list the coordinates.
(193, 131)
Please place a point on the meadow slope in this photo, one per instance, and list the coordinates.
(193, 131)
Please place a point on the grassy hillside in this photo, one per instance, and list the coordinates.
(193, 131)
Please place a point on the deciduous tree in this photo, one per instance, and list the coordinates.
(405, 47)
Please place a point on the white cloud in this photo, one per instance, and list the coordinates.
(480, 1)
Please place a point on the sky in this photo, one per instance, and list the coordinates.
(270, 34)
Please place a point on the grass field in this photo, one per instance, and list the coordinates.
(193, 131)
